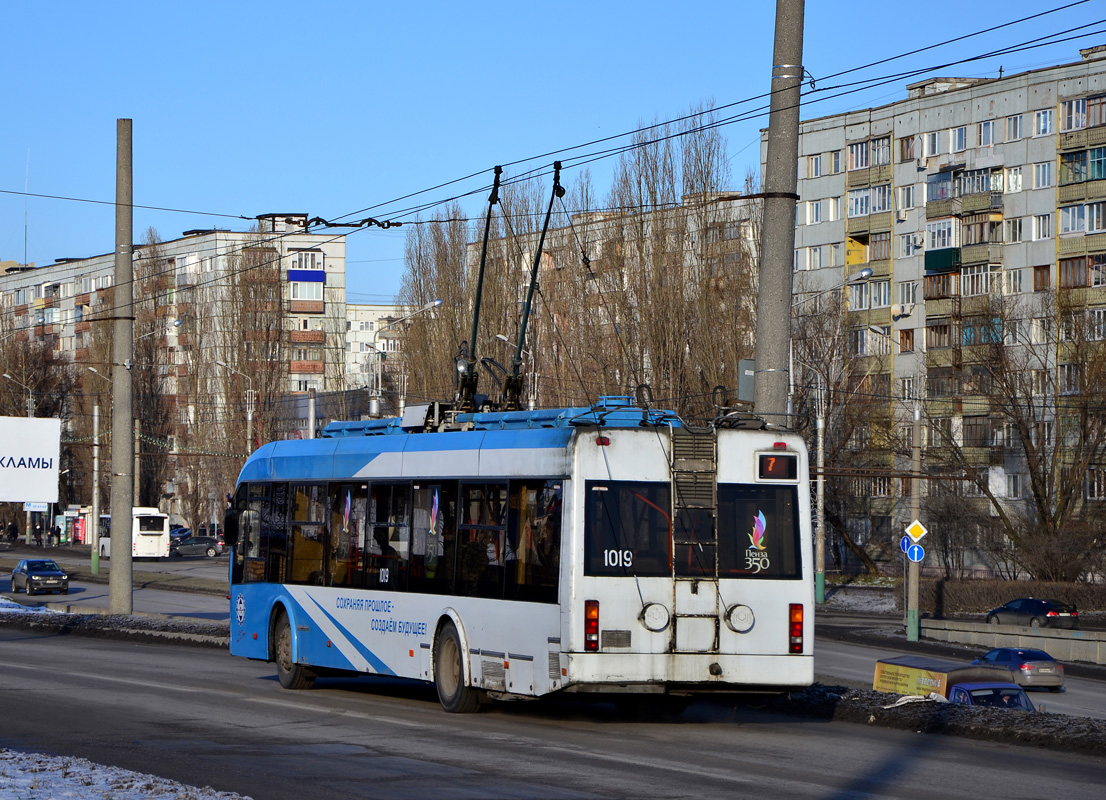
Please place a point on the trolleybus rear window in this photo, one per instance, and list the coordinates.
(628, 528)
(758, 531)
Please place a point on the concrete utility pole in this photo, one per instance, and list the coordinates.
(778, 231)
(310, 413)
(122, 412)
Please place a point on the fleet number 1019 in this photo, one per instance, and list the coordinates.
(618, 558)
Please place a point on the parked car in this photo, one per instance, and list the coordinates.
(196, 546)
(992, 695)
(1035, 613)
(1029, 667)
(180, 532)
(34, 575)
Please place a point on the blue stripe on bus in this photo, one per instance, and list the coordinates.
(365, 652)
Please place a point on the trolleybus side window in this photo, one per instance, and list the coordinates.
(434, 538)
(274, 534)
(389, 545)
(346, 542)
(627, 528)
(482, 540)
(248, 551)
(534, 541)
(758, 531)
(308, 534)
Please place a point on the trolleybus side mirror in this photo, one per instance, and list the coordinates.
(230, 527)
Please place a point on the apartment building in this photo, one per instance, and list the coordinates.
(226, 324)
(979, 208)
(366, 334)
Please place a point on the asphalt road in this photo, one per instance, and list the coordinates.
(199, 716)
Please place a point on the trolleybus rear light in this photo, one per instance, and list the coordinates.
(591, 626)
(795, 628)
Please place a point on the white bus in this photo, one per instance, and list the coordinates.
(149, 534)
(608, 550)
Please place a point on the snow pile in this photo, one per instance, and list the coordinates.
(861, 599)
(32, 776)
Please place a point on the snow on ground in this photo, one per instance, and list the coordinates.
(33, 776)
(861, 600)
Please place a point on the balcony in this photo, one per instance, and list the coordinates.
(1073, 140)
(979, 201)
(985, 253)
(940, 286)
(306, 367)
(948, 207)
(943, 260)
(306, 306)
(309, 337)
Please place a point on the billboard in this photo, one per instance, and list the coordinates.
(29, 451)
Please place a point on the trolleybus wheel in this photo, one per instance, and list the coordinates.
(290, 674)
(449, 674)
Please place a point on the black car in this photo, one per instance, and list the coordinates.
(34, 575)
(196, 546)
(1035, 613)
(179, 533)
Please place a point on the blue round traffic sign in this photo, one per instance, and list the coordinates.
(915, 552)
(904, 543)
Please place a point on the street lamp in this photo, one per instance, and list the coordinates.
(30, 413)
(376, 356)
(94, 523)
(250, 396)
(820, 412)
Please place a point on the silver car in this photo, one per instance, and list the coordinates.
(1029, 667)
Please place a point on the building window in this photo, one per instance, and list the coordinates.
(1042, 175)
(1096, 328)
(835, 161)
(1013, 179)
(1042, 122)
(940, 186)
(858, 156)
(1014, 128)
(1073, 273)
(906, 197)
(938, 333)
(306, 260)
(1069, 378)
(906, 387)
(1096, 483)
(976, 280)
(1042, 227)
(881, 294)
(906, 149)
(1073, 114)
(977, 432)
(1041, 279)
(1096, 265)
(933, 143)
(306, 290)
(941, 234)
(813, 212)
(1073, 219)
(858, 296)
(907, 247)
(879, 247)
(1012, 230)
(814, 260)
(908, 292)
(986, 133)
(1073, 167)
(1013, 332)
(1012, 281)
(858, 203)
(880, 198)
(858, 341)
(1096, 163)
(814, 166)
(958, 139)
(942, 382)
(881, 151)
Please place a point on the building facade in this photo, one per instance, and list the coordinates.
(976, 209)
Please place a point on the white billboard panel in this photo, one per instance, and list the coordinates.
(29, 454)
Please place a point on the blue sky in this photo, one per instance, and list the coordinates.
(245, 108)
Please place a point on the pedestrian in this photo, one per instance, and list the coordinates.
(38, 535)
(57, 536)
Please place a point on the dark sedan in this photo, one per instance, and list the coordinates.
(1035, 613)
(991, 695)
(34, 575)
(1029, 667)
(196, 546)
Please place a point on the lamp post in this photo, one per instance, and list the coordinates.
(913, 623)
(94, 524)
(250, 397)
(30, 413)
(376, 356)
(820, 422)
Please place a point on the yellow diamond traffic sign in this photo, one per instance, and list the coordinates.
(916, 530)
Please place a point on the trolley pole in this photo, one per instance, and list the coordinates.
(777, 240)
(122, 414)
